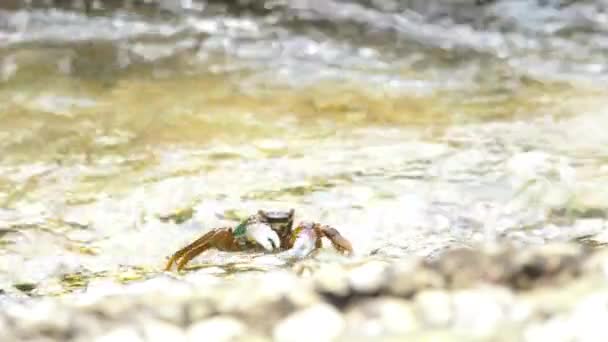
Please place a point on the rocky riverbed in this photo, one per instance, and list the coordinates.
(459, 145)
(556, 292)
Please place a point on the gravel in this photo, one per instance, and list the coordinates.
(554, 292)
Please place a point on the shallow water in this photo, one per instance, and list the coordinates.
(411, 128)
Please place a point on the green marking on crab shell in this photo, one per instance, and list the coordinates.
(241, 229)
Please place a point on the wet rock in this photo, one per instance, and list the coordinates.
(221, 328)
(547, 265)
(464, 267)
(319, 322)
(515, 268)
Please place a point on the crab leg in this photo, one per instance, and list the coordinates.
(190, 246)
(337, 240)
(220, 238)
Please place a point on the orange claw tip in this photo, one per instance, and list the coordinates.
(347, 251)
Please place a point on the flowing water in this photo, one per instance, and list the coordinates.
(412, 127)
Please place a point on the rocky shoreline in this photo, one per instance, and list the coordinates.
(555, 292)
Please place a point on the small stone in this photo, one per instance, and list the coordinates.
(435, 307)
(589, 318)
(41, 316)
(25, 287)
(169, 312)
(369, 277)
(129, 275)
(277, 282)
(120, 334)
(598, 263)
(548, 264)
(270, 145)
(555, 329)
(320, 322)
(198, 310)
(159, 331)
(407, 278)
(88, 326)
(479, 312)
(332, 278)
(382, 316)
(302, 297)
(111, 307)
(5, 331)
(220, 328)
(178, 216)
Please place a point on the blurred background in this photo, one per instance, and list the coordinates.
(128, 128)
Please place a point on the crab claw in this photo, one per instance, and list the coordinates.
(264, 236)
(304, 240)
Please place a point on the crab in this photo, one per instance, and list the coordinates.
(269, 231)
